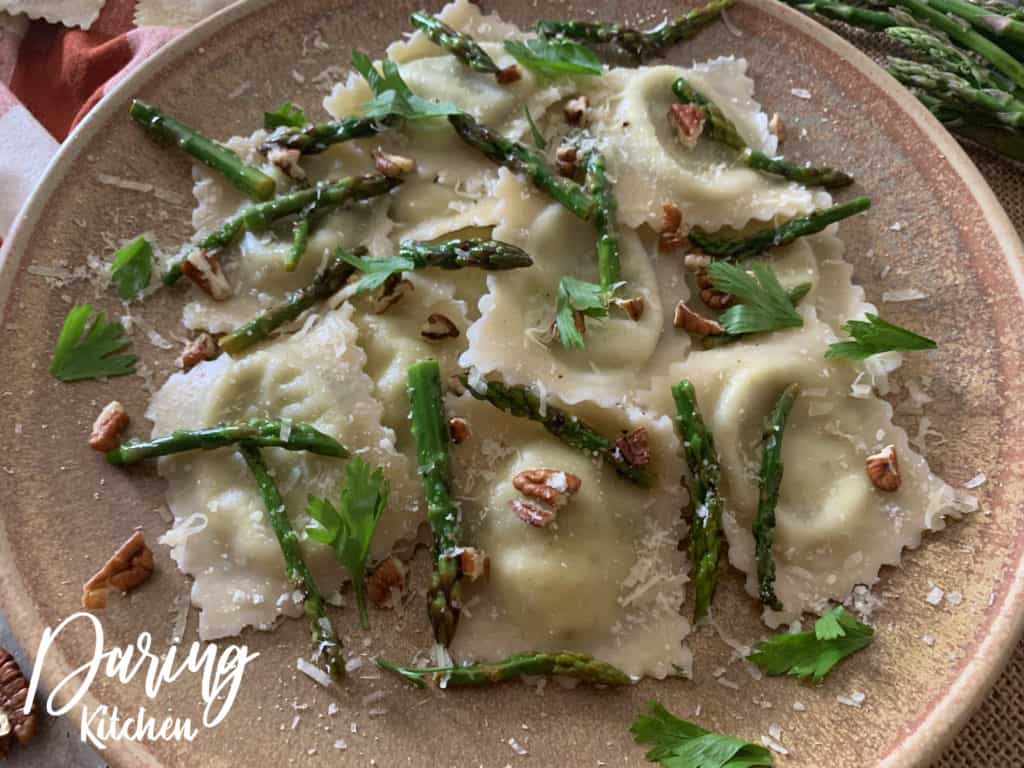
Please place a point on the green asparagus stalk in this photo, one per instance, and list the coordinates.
(734, 248)
(271, 433)
(300, 239)
(250, 180)
(600, 190)
(856, 15)
(516, 157)
(999, 140)
(460, 45)
(566, 663)
(988, 105)
(326, 643)
(521, 402)
(985, 20)
(641, 44)
(722, 129)
(491, 255)
(313, 139)
(768, 498)
(945, 56)
(259, 217)
(705, 533)
(1006, 9)
(328, 281)
(430, 429)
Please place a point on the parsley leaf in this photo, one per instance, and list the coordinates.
(874, 336)
(349, 528)
(538, 138)
(89, 354)
(133, 264)
(375, 271)
(765, 305)
(836, 635)
(391, 95)
(577, 296)
(287, 115)
(555, 56)
(682, 744)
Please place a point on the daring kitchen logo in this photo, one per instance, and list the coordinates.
(221, 667)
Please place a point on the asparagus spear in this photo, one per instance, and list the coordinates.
(1003, 28)
(326, 644)
(490, 255)
(430, 428)
(735, 248)
(313, 139)
(948, 57)
(987, 105)
(705, 534)
(768, 499)
(523, 403)
(856, 15)
(641, 44)
(460, 45)
(567, 663)
(516, 157)
(721, 128)
(259, 217)
(328, 281)
(250, 180)
(265, 432)
(300, 239)
(600, 189)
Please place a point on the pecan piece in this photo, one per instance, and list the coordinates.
(287, 160)
(634, 447)
(536, 515)
(131, 565)
(386, 583)
(548, 485)
(671, 235)
(711, 296)
(566, 157)
(459, 430)
(107, 428)
(884, 470)
(634, 307)
(509, 74)
(203, 269)
(202, 347)
(777, 127)
(575, 109)
(438, 328)
(13, 692)
(474, 563)
(390, 165)
(688, 121)
(393, 291)
(694, 323)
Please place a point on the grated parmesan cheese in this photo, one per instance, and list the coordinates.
(313, 672)
(903, 294)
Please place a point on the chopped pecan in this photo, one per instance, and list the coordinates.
(107, 428)
(566, 157)
(693, 322)
(575, 109)
(394, 289)
(390, 165)
(131, 565)
(202, 347)
(459, 430)
(634, 447)
(777, 127)
(439, 327)
(474, 563)
(386, 582)
(509, 74)
(884, 470)
(203, 269)
(13, 692)
(711, 296)
(287, 160)
(634, 307)
(671, 235)
(688, 121)
(548, 485)
(536, 515)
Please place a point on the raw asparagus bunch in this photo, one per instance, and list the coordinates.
(260, 217)
(326, 643)
(250, 180)
(521, 402)
(769, 482)
(313, 139)
(734, 248)
(460, 45)
(721, 129)
(985, 106)
(640, 44)
(430, 429)
(568, 663)
(519, 158)
(705, 532)
(270, 433)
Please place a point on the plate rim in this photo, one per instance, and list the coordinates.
(988, 657)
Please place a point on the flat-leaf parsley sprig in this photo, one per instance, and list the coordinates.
(89, 353)
(391, 95)
(682, 744)
(873, 336)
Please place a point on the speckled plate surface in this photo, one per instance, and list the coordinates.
(935, 225)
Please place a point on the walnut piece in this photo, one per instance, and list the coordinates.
(203, 269)
(107, 428)
(634, 447)
(131, 565)
(711, 296)
(202, 347)
(671, 235)
(287, 160)
(13, 691)
(548, 485)
(688, 122)
(509, 74)
(474, 563)
(777, 127)
(386, 583)
(694, 323)
(438, 328)
(390, 165)
(575, 109)
(459, 430)
(536, 515)
(634, 307)
(393, 291)
(884, 470)
(566, 157)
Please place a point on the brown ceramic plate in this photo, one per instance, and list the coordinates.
(63, 509)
